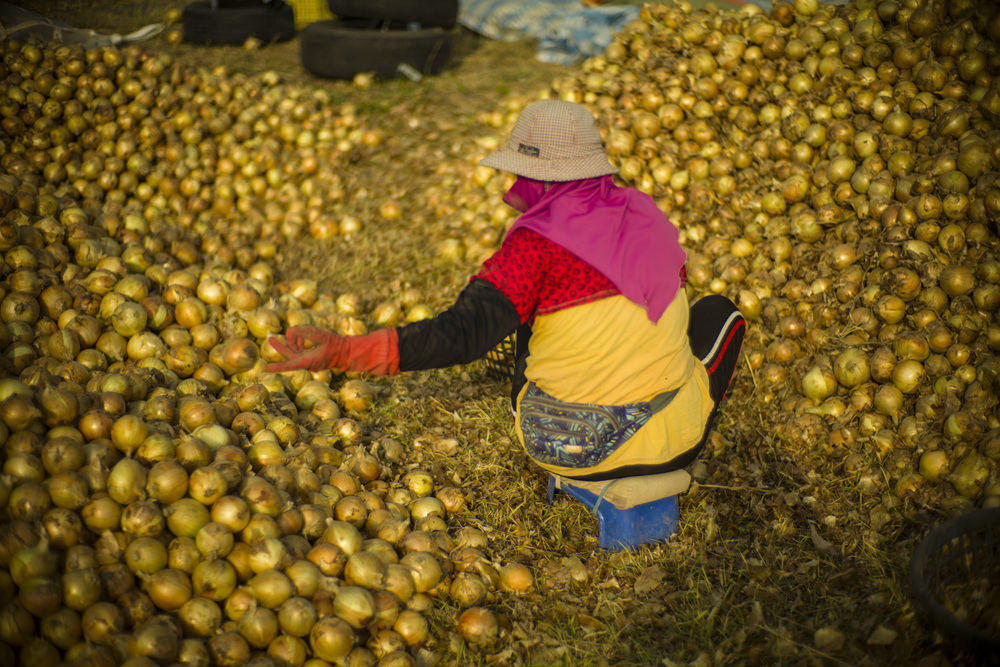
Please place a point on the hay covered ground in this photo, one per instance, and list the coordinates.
(781, 557)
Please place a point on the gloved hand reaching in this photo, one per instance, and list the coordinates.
(316, 349)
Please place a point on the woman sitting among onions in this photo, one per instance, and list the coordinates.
(615, 375)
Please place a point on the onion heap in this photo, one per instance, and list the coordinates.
(835, 171)
(163, 498)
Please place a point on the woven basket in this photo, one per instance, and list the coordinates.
(310, 11)
(961, 554)
(500, 360)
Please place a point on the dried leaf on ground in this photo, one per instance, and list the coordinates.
(649, 580)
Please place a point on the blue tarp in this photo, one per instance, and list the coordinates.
(567, 31)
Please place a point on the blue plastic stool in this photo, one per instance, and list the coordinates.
(623, 528)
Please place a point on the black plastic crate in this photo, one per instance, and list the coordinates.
(500, 360)
(960, 559)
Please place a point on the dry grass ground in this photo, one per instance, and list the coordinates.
(782, 557)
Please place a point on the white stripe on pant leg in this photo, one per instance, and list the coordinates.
(721, 336)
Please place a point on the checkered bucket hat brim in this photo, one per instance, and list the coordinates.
(553, 140)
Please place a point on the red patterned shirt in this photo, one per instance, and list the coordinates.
(540, 277)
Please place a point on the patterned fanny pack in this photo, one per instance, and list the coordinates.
(580, 435)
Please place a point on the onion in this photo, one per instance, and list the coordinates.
(852, 368)
(819, 383)
(296, 616)
(351, 509)
(268, 553)
(229, 649)
(957, 280)
(426, 506)
(365, 569)
(262, 497)
(142, 518)
(288, 650)
(158, 446)
(386, 644)
(145, 345)
(969, 475)
(517, 578)
(331, 639)
(168, 589)
(136, 606)
(355, 605)
(194, 651)
(412, 626)
(237, 604)
(40, 596)
(17, 626)
(37, 651)
(305, 576)
(419, 482)
(934, 465)
(356, 395)
(68, 490)
(478, 625)
(167, 481)
(214, 540)
(200, 617)
(18, 412)
(127, 481)
(214, 579)
(425, 569)
(79, 557)
(59, 407)
(81, 588)
(24, 467)
(240, 559)
(62, 628)
(185, 517)
(206, 485)
(271, 588)
(889, 401)
(399, 581)
(346, 482)
(101, 513)
(344, 536)
(236, 355)
(348, 431)
(366, 467)
(63, 528)
(260, 526)
(102, 621)
(383, 549)
(908, 376)
(231, 511)
(468, 589)
(145, 555)
(28, 501)
(259, 626)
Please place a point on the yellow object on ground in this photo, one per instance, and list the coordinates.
(310, 11)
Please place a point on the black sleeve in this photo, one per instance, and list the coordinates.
(481, 317)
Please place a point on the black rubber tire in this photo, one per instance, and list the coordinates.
(342, 48)
(428, 13)
(232, 26)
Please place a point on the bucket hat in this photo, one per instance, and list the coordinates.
(553, 140)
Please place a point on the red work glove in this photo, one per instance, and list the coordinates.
(316, 349)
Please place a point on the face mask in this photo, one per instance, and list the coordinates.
(525, 193)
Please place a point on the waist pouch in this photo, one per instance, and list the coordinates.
(580, 435)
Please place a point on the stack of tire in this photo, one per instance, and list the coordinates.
(233, 22)
(389, 38)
